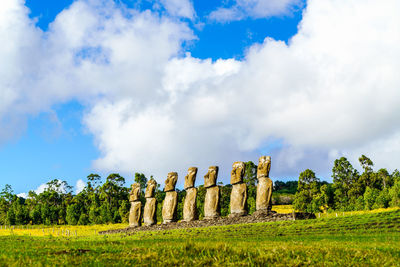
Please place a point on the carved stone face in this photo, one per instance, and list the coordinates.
(171, 181)
(190, 178)
(264, 165)
(151, 187)
(237, 172)
(135, 192)
(210, 179)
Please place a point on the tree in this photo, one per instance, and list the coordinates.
(345, 179)
(394, 193)
(124, 211)
(93, 181)
(6, 197)
(289, 187)
(142, 180)
(225, 199)
(7, 193)
(73, 214)
(112, 193)
(83, 219)
(370, 196)
(250, 173)
(368, 178)
(308, 197)
(384, 178)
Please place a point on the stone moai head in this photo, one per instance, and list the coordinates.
(171, 181)
(237, 172)
(150, 188)
(210, 179)
(134, 195)
(190, 178)
(264, 165)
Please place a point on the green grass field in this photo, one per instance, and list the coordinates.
(359, 239)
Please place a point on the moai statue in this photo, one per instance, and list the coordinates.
(150, 208)
(171, 198)
(211, 202)
(136, 206)
(239, 190)
(264, 187)
(190, 205)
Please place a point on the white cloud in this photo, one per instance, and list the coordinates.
(41, 188)
(242, 9)
(80, 185)
(332, 90)
(23, 195)
(179, 8)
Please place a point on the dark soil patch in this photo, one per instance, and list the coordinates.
(254, 218)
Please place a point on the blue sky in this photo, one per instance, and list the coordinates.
(63, 149)
(83, 123)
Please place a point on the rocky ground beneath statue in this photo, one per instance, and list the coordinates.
(254, 218)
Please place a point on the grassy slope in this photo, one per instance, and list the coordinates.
(372, 238)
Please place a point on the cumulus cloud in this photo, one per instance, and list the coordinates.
(87, 45)
(330, 91)
(333, 90)
(80, 185)
(242, 9)
(40, 189)
(23, 195)
(179, 8)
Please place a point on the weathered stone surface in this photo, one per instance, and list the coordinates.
(239, 199)
(190, 205)
(171, 181)
(190, 178)
(169, 207)
(135, 214)
(237, 172)
(150, 188)
(134, 195)
(211, 203)
(264, 166)
(210, 179)
(264, 194)
(150, 211)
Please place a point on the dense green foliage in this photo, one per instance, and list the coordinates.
(350, 190)
(108, 202)
(360, 240)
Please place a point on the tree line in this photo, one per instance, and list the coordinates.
(350, 189)
(100, 203)
(108, 202)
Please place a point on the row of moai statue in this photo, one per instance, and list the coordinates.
(238, 197)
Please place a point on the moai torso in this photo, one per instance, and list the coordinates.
(264, 186)
(150, 208)
(190, 204)
(171, 198)
(211, 202)
(136, 206)
(238, 202)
